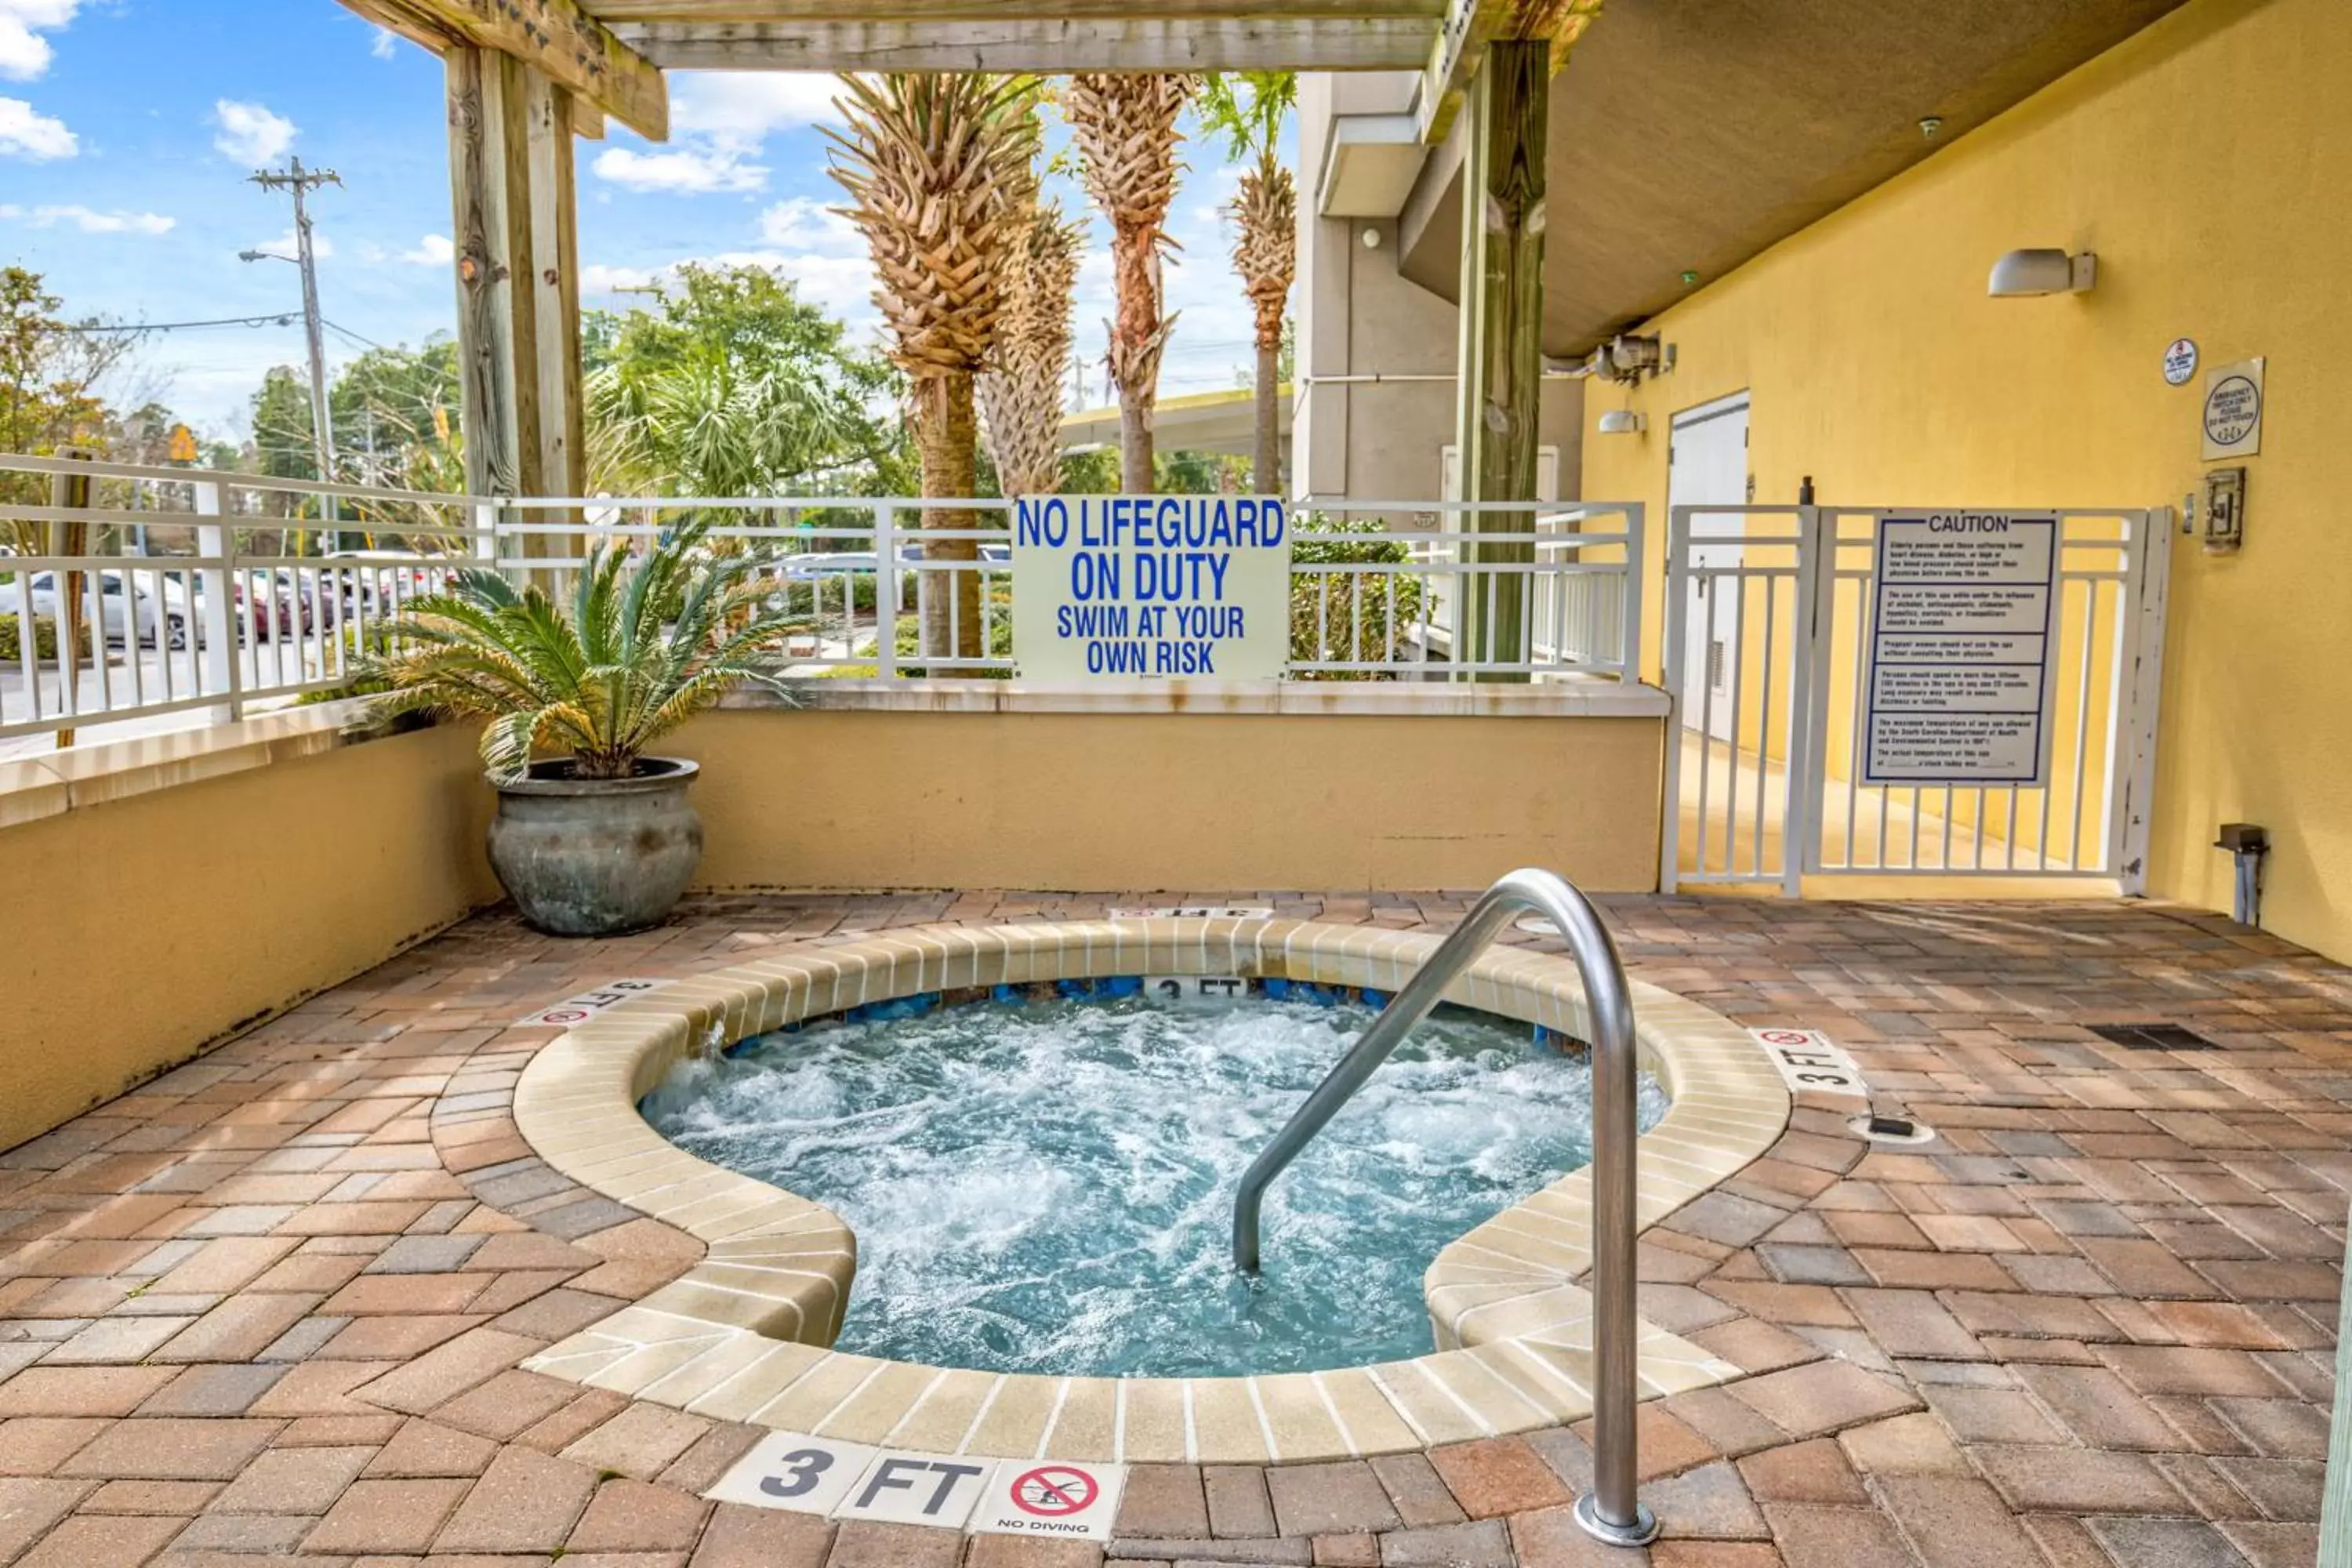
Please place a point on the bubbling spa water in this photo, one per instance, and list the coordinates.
(1047, 1187)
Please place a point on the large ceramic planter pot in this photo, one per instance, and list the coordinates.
(597, 857)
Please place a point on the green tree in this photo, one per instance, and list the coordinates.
(49, 372)
(733, 385)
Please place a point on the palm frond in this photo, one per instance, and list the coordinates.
(641, 645)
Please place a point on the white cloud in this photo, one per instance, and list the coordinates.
(690, 170)
(743, 107)
(432, 250)
(23, 53)
(87, 220)
(597, 278)
(286, 248)
(26, 134)
(804, 223)
(721, 119)
(249, 132)
(384, 45)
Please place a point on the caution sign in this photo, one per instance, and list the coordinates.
(1056, 1498)
(1962, 622)
(1809, 1063)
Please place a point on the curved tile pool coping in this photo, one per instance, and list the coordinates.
(744, 1335)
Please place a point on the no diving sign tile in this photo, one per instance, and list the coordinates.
(1062, 1501)
(1056, 1499)
(588, 1004)
(1811, 1063)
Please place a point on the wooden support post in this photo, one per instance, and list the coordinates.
(515, 216)
(1500, 363)
(555, 296)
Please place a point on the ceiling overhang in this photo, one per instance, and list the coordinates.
(1690, 135)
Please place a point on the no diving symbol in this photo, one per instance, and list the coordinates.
(1784, 1037)
(1055, 1491)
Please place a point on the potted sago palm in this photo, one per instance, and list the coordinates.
(599, 839)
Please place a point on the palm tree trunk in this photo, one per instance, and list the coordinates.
(1135, 355)
(946, 437)
(1266, 475)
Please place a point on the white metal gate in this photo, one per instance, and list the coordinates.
(1764, 776)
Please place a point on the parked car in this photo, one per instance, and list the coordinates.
(272, 602)
(373, 583)
(125, 608)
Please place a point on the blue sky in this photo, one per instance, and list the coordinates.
(127, 127)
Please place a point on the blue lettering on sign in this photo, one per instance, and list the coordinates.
(1151, 589)
(1045, 522)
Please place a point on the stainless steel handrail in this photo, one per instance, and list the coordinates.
(1613, 1510)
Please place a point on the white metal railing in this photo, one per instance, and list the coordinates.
(134, 592)
(244, 609)
(1379, 589)
(1768, 630)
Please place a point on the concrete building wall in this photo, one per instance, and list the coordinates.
(2205, 160)
(1360, 316)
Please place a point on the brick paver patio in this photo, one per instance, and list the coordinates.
(273, 1303)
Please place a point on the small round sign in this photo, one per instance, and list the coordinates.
(2179, 361)
(2234, 410)
(1055, 1491)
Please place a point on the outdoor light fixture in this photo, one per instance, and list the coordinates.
(1621, 422)
(2028, 274)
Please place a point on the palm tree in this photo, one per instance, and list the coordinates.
(1020, 392)
(1125, 129)
(1249, 108)
(935, 166)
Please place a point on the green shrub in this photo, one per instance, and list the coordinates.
(1355, 624)
(11, 638)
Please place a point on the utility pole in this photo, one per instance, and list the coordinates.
(294, 177)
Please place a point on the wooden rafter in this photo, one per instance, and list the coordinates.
(1181, 11)
(559, 37)
(1045, 46)
(1470, 26)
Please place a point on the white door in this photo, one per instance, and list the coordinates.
(1707, 466)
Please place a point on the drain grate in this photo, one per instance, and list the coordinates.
(2153, 1036)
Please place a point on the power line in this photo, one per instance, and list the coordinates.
(355, 337)
(282, 319)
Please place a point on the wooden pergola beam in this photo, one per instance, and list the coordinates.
(576, 51)
(1047, 47)
(1469, 26)
(1180, 11)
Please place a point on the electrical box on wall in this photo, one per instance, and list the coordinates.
(2225, 509)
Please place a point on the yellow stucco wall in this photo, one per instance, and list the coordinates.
(2206, 160)
(146, 927)
(1108, 802)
